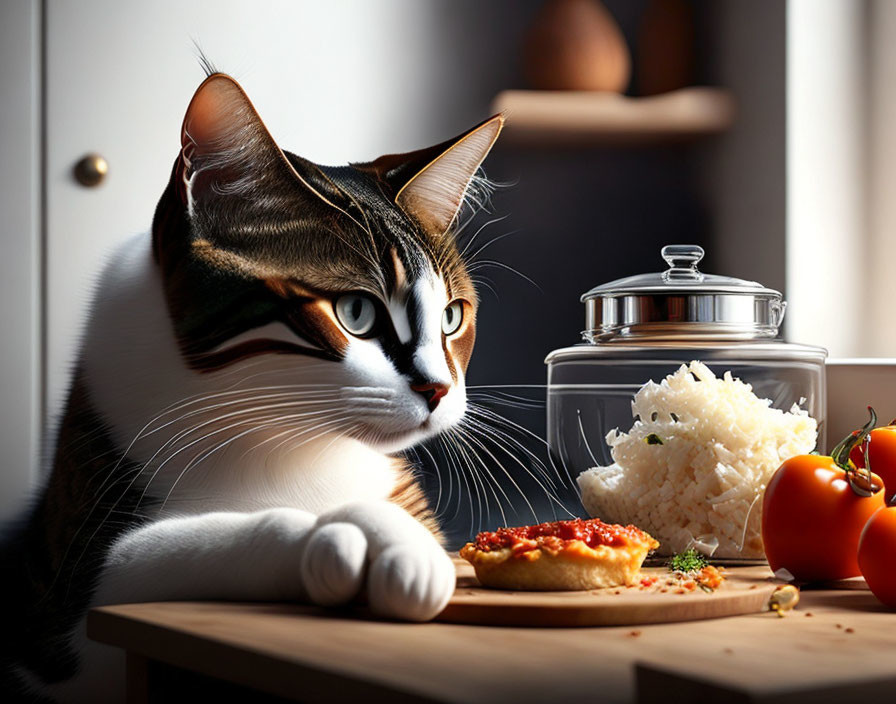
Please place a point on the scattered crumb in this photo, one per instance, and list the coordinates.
(634, 634)
(754, 586)
(808, 614)
(618, 591)
(709, 578)
(728, 651)
(784, 599)
(849, 630)
(680, 591)
(663, 590)
(839, 625)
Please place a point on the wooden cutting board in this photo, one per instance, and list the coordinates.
(746, 590)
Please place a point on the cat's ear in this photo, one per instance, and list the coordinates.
(226, 150)
(430, 184)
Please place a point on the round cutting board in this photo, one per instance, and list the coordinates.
(745, 590)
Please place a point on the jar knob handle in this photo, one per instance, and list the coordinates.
(682, 260)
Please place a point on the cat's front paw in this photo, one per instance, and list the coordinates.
(410, 583)
(407, 573)
(333, 563)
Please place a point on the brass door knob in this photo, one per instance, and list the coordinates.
(91, 170)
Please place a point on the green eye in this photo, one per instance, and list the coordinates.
(452, 317)
(355, 313)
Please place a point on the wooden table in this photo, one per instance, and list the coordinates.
(838, 646)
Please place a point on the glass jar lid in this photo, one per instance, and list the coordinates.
(682, 302)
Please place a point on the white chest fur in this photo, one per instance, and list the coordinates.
(134, 372)
(319, 476)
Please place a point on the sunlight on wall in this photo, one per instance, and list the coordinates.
(825, 163)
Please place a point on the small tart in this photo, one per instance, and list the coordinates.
(559, 556)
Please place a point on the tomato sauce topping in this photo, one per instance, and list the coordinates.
(592, 532)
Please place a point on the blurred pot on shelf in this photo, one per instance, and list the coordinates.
(576, 45)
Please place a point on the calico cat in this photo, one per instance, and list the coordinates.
(245, 380)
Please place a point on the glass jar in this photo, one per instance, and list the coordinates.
(685, 458)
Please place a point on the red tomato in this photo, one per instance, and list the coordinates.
(812, 519)
(881, 456)
(877, 555)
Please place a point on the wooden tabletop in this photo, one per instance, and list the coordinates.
(839, 645)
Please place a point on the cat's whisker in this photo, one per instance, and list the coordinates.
(459, 437)
(470, 441)
(171, 442)
(493, 221)
(485, 284)
(170, 409)
(285, 420)
(276, 370)
(302, 431)
(564, 477)
(462, 439)
(465, 452)
(498, 394)
(176, 451)
(483, 263)
(490, 397)
(220, 446)
(511, 446)
(419, 462)
(492, 420)
(477, 484)
(267, 422)
(507, 386)
(548, 493)
(137, 471)
(315, 398)
(492, 241)
(199, 398)
(451, 472)
(248, 415)
(463, 476)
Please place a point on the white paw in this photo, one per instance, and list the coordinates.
(410, 581)
(333, 563)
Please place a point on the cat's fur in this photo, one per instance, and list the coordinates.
(225, 436)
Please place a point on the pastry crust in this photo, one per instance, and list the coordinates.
(594, 556)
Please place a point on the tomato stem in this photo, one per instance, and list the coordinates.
(860, 481)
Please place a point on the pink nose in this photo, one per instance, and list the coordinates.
(432, 393)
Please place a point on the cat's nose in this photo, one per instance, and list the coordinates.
(432, 393)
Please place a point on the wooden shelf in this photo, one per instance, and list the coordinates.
(580, 117)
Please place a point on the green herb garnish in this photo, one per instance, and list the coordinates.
(688, 561)
(653, 439)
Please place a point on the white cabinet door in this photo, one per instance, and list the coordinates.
(20, 357)
(334, 81)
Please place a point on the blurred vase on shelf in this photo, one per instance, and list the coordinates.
(576, 45)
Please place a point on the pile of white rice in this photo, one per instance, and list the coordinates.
(702, 487)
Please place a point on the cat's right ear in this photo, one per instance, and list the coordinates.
(224, 144)
(229, 159)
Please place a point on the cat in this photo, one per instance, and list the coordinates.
(247, 378)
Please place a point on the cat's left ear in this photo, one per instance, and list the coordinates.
(430, 184)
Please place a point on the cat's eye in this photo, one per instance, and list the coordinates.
(355, 313)
(452, 317)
